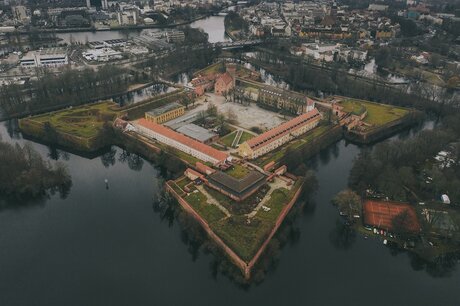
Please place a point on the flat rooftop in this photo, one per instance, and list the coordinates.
(237, 186)
(196, 132)
(164, 109)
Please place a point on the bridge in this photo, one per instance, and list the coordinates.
(237, 44)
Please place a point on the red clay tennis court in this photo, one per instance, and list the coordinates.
(380, 214)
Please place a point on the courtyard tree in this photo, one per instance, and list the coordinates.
(349, 204)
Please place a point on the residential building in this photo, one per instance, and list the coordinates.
(279, 135)
(180, 142)
(277, 98)
(165, 113)
(224, 83)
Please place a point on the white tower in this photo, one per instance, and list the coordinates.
(88, 3)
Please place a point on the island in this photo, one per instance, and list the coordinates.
(238, 141)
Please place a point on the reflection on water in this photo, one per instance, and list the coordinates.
(126, 238)
(142, 94)
(215, 28)
(213, 25)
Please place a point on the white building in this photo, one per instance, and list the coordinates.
(445, 199)
(128, 17)
(322, 52)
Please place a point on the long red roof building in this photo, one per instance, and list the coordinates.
(181, 142)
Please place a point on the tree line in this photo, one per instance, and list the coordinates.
(71, 87)
(24, 174)
(406, 170)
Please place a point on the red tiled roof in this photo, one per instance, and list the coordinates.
(310, 101)
(283, 129)
(191, 143)
(203, 168)
(381, 214)
(226, 78)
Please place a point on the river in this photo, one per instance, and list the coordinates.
(213, 25)
(109, 246)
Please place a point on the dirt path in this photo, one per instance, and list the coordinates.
(213, 201)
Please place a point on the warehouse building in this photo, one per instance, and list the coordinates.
(198, 133)
(52, 57)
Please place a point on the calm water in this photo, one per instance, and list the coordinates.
(213, 25)
(109, 247)
(139, 95)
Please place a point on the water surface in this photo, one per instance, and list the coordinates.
(109, 247)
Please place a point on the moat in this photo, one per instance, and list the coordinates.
(58, 251)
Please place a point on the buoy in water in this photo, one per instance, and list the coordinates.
(385, 241)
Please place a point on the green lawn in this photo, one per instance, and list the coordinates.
(245, 137)
(208, 211)
(245, 239)
(227, 140)
(377, 114)
(242, 237)
(183, 181)
(84, 121)
(238, 171)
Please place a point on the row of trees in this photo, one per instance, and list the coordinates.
(71, 87)
(183, 59)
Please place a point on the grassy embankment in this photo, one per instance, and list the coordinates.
(381, 120)
(82, 128)
(377, 114)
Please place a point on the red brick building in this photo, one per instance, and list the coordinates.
(224, 83)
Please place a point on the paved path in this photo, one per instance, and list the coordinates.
(277, 183)
(237, 138)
